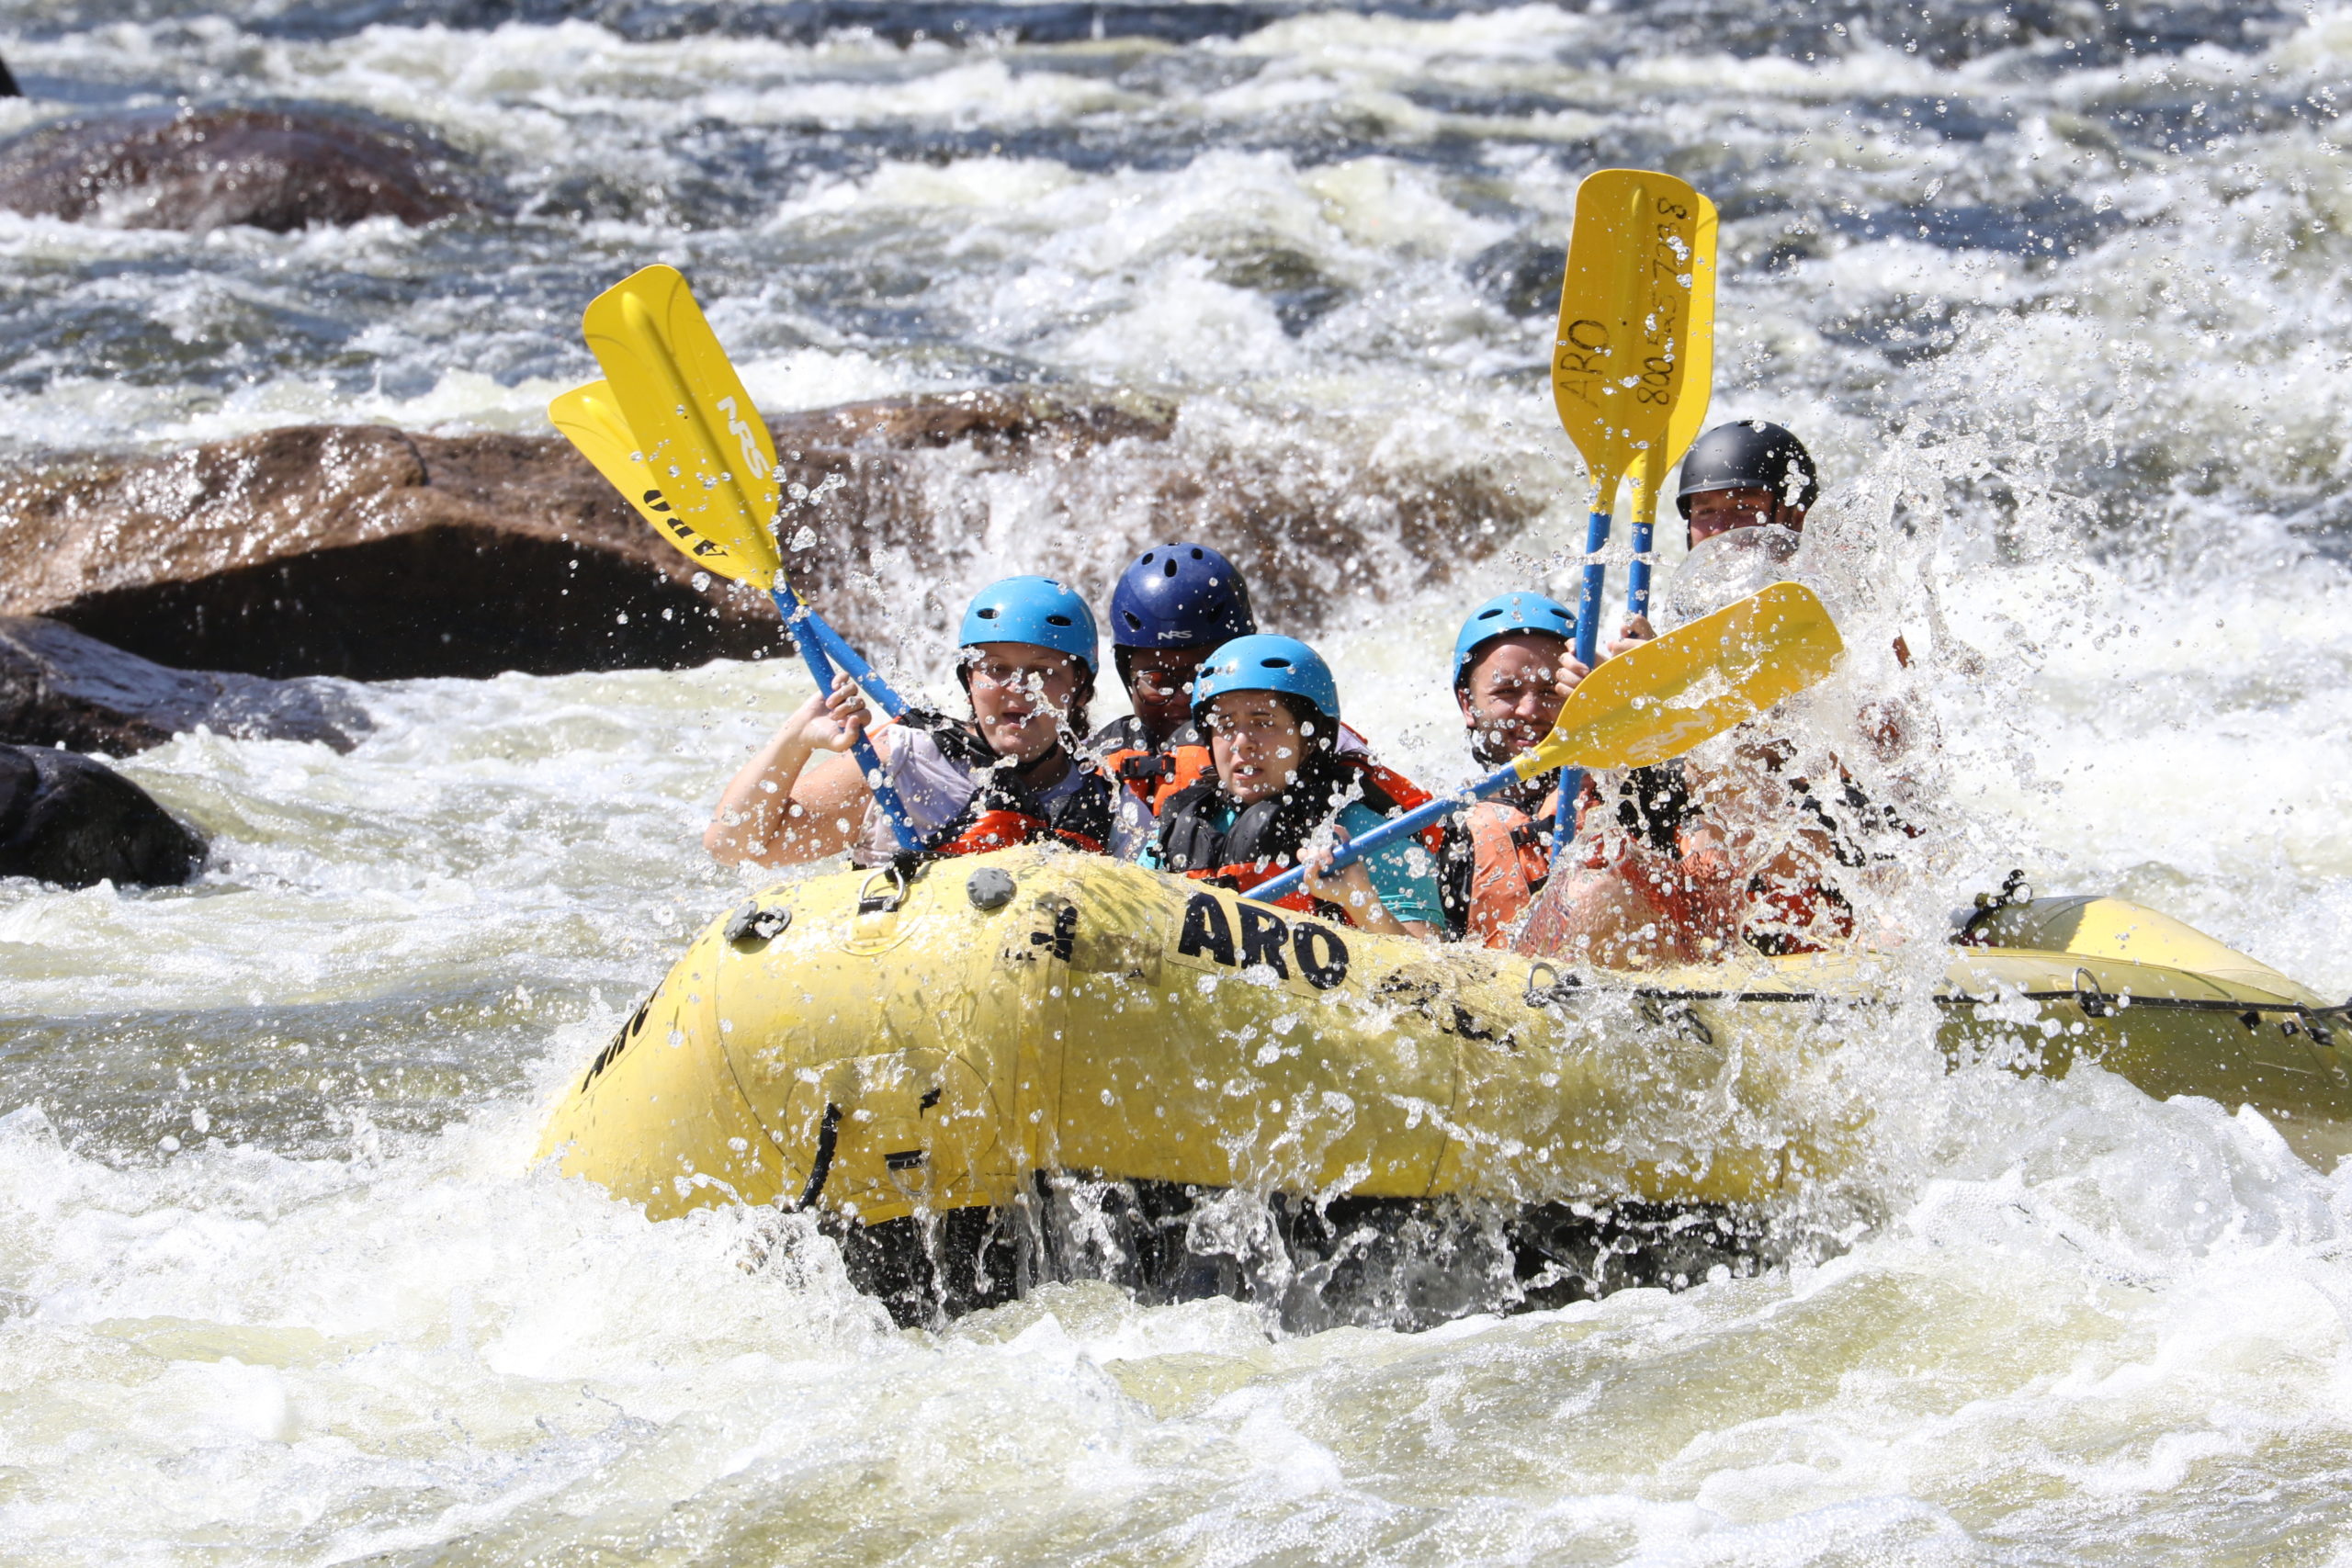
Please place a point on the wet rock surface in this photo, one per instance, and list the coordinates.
(74, 820)
(372, 553)
(199, 168)
(58, 686)
(356, 550)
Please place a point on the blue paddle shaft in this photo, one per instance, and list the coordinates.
(857, 669)
(1637, 581)
(1388, 833)
(1596, 582)
(821, 669)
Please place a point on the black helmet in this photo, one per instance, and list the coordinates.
(1749, 455)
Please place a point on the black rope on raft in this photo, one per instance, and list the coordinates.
(829, 1132)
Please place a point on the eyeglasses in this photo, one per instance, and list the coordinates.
(1015, 677)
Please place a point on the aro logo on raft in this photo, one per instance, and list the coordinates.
(1311, 951)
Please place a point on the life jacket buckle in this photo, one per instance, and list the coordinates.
(1148, 765)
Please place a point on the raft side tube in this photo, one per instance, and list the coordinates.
(658, 1118)
(895, 1051)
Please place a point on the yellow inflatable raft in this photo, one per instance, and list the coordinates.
(1037, 1062)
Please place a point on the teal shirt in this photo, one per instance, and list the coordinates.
(1404, 874)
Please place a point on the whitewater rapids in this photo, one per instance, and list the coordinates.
(2060, 303)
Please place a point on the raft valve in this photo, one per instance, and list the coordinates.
(991, 887)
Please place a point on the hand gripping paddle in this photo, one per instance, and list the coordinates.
(709, 456)
(1620, 359)
(1650, 703)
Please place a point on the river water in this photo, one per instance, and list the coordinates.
(2058, 293)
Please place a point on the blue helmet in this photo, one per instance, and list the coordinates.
(1033, 610)
(1180, 596)
(1262, 662)
(1508, 613)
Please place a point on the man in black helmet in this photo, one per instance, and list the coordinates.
(1743, 476)
(1748, 474)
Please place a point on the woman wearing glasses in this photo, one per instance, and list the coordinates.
(1009, 774)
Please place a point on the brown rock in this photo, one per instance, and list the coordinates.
(358, 551)
(59, 687)
(206, 168)
(365, 552)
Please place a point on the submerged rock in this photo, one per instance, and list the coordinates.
(61, 687)
(207, 168)
(74, 820)
(368, 552)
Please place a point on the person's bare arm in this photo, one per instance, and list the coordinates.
(1351, 888)
(795, 801)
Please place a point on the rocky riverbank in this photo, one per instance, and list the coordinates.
(375, 553)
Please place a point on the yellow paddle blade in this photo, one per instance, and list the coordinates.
(1659, 700)
(1691, 399)
(590, 418)
(1622, 353)
(695, 425)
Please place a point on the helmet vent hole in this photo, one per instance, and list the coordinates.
(989, 613)
(1057, 620)
(1169, 570)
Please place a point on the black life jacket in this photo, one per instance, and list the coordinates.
(1266, 836)
(1153, 772)
(1004, 811)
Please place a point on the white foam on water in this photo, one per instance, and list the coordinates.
(2100, 1306)
(261, 1302)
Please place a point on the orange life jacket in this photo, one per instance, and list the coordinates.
(1153, 772)
(1687, 883)
(1507, 865)
(1786, 917)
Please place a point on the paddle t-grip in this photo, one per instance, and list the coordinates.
(821, 669)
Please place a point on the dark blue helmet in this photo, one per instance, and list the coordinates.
(1180, 596)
